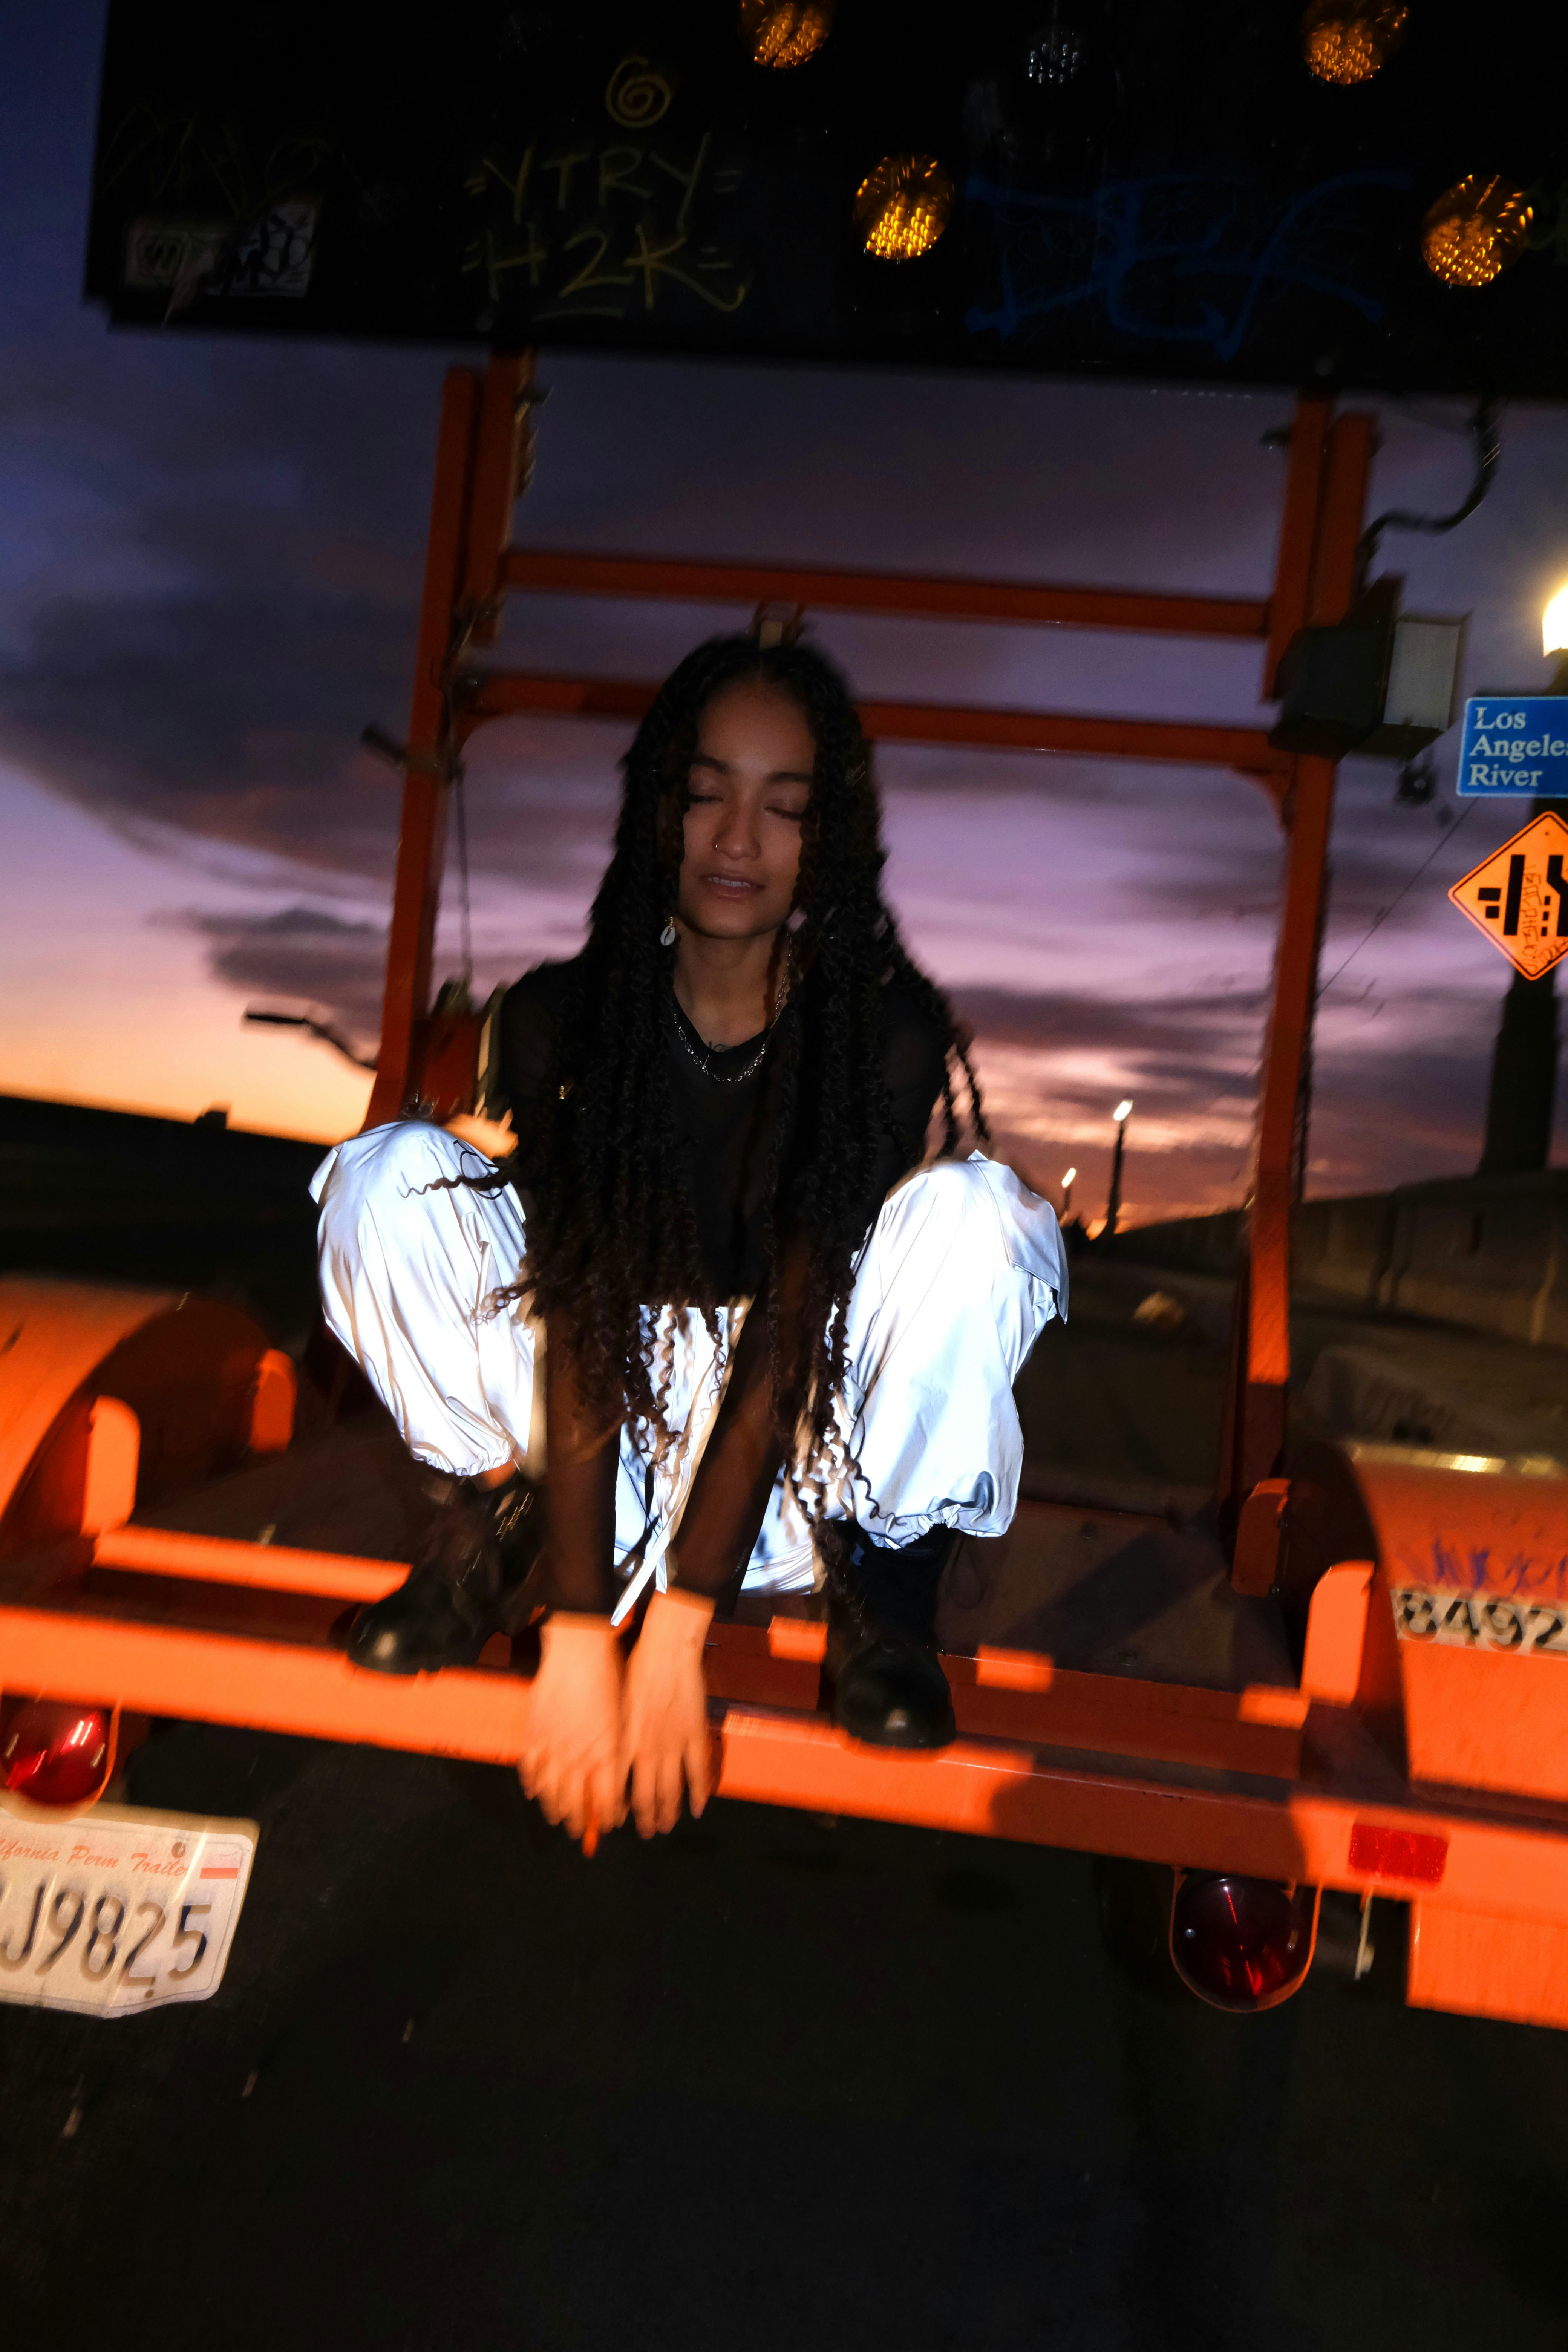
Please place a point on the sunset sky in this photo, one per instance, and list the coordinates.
(208, 584)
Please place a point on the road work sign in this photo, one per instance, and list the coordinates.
(1519, 896)
(1514, 745)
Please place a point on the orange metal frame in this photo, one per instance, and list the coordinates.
(1436, 1775)
(471, 566)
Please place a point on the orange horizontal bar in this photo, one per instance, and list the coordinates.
(288, 1687)
(501, 694)
(990, 1790)
(987, 1787)
(273, 1567)
(1018, 1694)
(1001, 1693)
(561, 570)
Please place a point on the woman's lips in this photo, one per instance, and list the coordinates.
(729, 885)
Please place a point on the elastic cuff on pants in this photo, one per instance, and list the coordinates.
(474, 1470)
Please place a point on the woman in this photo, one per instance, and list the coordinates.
(772, 1354)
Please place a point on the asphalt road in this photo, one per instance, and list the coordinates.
(774, 2081)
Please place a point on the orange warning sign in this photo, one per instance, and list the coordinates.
(1519, 896)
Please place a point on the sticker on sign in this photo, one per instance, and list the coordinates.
(1519, 896)
(1514, 746)
(116, 1910)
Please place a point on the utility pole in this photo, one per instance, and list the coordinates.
(1522, 1094)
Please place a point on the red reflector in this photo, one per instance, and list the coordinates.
(57, 1754)
(1398, 1854)
(1242, 1943)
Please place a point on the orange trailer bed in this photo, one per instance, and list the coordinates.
(1423, 1751)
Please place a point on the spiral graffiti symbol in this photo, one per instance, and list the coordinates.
(637, 94)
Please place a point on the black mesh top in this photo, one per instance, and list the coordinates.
(726, 1127)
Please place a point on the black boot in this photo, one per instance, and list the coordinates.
(889, 1688)
(477, 1550)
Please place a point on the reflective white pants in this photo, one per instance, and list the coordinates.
(960, 1272)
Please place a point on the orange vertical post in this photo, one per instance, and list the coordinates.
(421, 840)
(481, 448)
(499, 462)
(1315, 582)
(1298, 533)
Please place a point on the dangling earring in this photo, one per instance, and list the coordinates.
(666, 937)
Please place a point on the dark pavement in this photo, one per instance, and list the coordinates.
(772, 2082)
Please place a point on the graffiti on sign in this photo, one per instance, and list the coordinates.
(1179, 257)
(1519, 896)
(606, 228)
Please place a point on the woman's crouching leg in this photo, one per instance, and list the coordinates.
(411, 1259)
(958, 1275)
(412, 1256)
(960, 1272)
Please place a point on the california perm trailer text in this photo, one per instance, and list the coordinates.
(1514, 745)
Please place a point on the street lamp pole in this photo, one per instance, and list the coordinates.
(1113, 1206)
(1067, 1193)
(1522, 1086)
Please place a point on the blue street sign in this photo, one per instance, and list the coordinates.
(1515, 746)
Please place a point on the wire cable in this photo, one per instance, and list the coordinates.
(465, 918)
(1384, 912)
(1483, 432)
(1242, 1076)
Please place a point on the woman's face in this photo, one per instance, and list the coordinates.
(749, 788)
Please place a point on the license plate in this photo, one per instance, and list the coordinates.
(117, 1910)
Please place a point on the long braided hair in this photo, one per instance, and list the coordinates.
(611, 1230)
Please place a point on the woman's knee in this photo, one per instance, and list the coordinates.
(950, 1202)
(388, 1167)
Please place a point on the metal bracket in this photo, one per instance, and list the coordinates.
(1259, 1537)
(422, 763)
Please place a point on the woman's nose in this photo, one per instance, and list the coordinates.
(736, 832)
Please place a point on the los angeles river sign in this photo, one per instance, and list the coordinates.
(1515, 746)
(1519, 896)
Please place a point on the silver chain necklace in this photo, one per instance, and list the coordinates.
(701, 1058)
(705, 1066)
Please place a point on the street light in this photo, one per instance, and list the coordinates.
(1554, 626)
(1067, 1193)
(1122, 1112)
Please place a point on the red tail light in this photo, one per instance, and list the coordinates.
(1242, 1943)
(56, 1753)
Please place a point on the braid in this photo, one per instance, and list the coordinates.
(612, 1232)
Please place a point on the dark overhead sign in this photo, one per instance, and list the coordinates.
(1211, 191)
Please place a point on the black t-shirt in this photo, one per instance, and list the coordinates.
(727, 1127)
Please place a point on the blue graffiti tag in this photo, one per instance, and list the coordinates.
(1478, 1572)
(1135, 244)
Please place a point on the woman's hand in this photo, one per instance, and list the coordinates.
(664, 1712)
(571, 1757)
(493, 1136)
